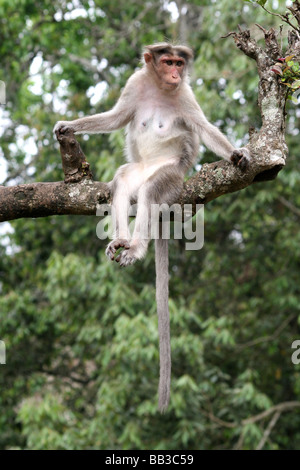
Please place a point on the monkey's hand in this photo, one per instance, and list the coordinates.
(61, 127)
(241, 158)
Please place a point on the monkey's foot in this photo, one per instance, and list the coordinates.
(113, 247)
(131, 255)
(240, 157)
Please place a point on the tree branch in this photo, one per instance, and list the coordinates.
(265, 339)
(80, 195)
(284, 18)
(268, 430)
(279, 408)
(289, 205)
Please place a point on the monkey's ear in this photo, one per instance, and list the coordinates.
(147, 57)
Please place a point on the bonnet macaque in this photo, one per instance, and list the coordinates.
(164, 127)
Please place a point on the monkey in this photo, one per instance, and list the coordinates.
(164, 127)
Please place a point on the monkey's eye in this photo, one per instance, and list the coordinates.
(169, 62)
(179, 63)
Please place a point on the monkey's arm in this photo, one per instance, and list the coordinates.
(213, 138)
(119, 116)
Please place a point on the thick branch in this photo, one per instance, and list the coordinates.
(74, 163)
(81, 198)
(44, 199)
(268, 144)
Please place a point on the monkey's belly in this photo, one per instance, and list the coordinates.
(151, 147)
(154, 134)
(135, 174)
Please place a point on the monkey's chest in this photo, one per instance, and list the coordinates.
(158, 126)
(157, 121)
(156, 136)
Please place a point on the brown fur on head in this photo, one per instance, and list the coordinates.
(160, 48)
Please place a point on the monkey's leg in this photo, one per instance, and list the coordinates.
(140, 238)
(121, 235)
(124, 185)
(163, 186)
(120, 209)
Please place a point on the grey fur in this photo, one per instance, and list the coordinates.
(162, 295)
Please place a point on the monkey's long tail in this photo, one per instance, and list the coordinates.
(162, 296)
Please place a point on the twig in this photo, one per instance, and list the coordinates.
(239, 443)
(264, 339)
(220, 422)
(286, 20)
(268, 430)
(260, 27)
(289, 205)
(232, 33)
(281, 407)
(280, 33)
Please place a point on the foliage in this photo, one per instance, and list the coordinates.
(289, 72)
(81, 334)
(258, 2)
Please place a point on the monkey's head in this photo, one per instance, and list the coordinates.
(170, 63)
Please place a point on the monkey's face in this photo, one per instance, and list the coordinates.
(169, 69)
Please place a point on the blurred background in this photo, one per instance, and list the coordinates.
(81, 336)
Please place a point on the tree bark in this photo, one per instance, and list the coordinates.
(79, 194)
